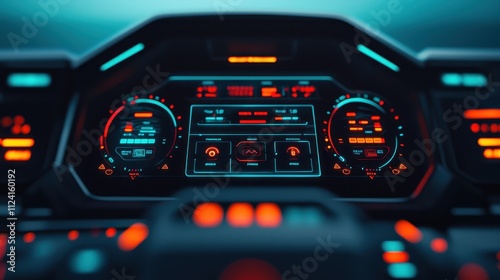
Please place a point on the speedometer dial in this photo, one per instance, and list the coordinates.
(364, 135)
(138, 137)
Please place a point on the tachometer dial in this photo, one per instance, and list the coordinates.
(138, 137)
(364, 135)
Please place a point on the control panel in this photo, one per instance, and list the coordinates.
(250, 140)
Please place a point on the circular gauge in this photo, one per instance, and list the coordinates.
(363, 134)
(138, 137)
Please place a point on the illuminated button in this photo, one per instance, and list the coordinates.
(251, 151)
(212, 156)
(212, 152)
(293, 152)
(293, 156)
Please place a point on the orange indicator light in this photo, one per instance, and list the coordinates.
(252, 59)
(73, 235)
(475, 127)
(133, 237)
(488, 142)
(396, 257)
(208, 215)
(439, 245)
(270, 92)
(260, 113)
(408, 231)
(482, 114)
(110, 232)
(143, 115)
(268, 215)
(129, 128)
(17, 155)
(29, 237)
(17, 142)
(368, 140)
(492, 153)
(240, 215)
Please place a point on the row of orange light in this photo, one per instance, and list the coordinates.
(128, 240)
(482, 114)
(366, 140)
(252, 59)
(15, 154)
(238, 215)
(492, 153)
(485, 128)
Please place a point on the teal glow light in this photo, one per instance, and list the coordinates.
(87, 261)
(121, 57)
(464, 80)
(393, 246)
(452, 79)
(29, 80)
(377, 57)
(474, 80)
(302, 216)
(402, 270)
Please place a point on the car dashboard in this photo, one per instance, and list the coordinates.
(211, 149)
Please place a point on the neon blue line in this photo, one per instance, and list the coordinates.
(121, 57)
(29, 80)
(361, 100)
(377, 57)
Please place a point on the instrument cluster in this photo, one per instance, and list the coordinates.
(250, 130)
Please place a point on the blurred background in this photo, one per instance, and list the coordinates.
(79, 27)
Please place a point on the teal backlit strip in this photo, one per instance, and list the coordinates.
(29, 80)
(377, 57)
(123, 56)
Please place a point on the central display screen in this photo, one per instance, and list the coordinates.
(252, 140)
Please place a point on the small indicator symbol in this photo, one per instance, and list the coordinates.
(293, 152)
(212, 152)
(346, 171)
